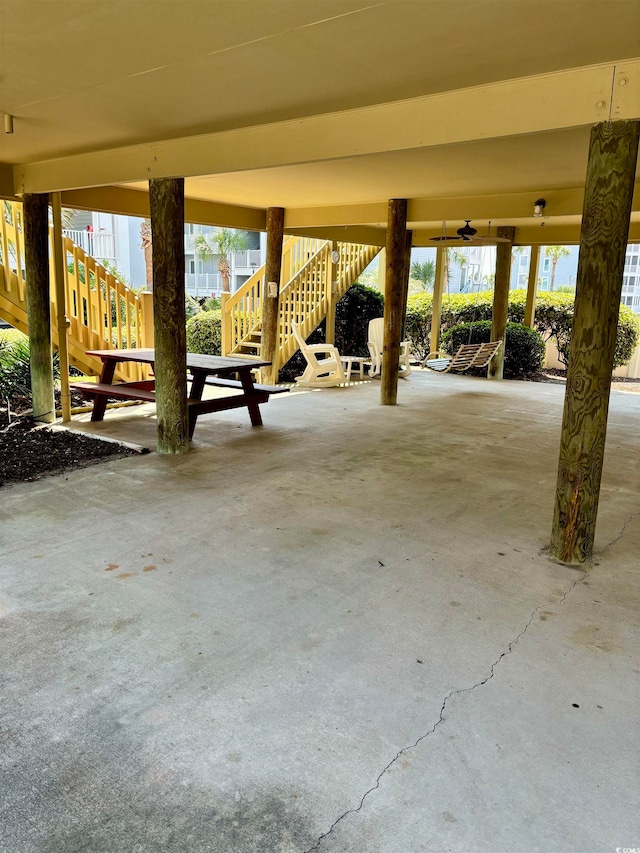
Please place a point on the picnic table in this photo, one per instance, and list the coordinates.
(204, 370)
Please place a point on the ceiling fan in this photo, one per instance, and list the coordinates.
(469, 234)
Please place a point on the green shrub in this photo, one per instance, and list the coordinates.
(524, 347)
(204, 333)
(353, 312)
(553, 319)
(15, 371)
(211, 304)
(418, 323)
(192, 306)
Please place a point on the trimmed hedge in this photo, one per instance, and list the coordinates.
(204, 333)
(524, 347)
(553, 319)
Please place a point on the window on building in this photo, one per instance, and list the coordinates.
(544, 283)
(546, 265)
(522, 279)
(192, 266)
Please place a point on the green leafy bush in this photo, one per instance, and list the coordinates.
(212, 303)
(353, 312)
(204, 333)
(15, 371)
(524, 347)
(553, 319)
(191, 306)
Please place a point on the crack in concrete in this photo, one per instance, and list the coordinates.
(620, 535)
(455, 692)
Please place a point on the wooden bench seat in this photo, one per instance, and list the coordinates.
(142, 391)
(467, 356)
(235, 383)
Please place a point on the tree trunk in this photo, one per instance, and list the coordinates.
(271, 294)
(36, 253)
(613, 155)
(501, 300)
(166, 198)
(396, 284)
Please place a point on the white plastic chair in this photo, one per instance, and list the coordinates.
(320, 372)
(375, 344)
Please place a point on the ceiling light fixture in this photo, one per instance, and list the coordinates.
(8, 123)
(539, 206)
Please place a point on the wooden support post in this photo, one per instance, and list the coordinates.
(613, 155)
(36, 254)
(270, 348)
(61, 310)
(396, 284)
(407, 273)
(382, 269)
(166, 201)
(532, 287)
(331, 285)
(501, 299)
(436, 307)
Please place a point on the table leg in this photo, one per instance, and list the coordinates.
(106, 378)
(247, 386)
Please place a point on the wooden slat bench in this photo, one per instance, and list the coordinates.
(466, 357)
(102, 392)
(235, 383)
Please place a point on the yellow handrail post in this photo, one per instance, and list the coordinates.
(146, 305)
(226, 345)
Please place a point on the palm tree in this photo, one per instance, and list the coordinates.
(452, 255)
(145, 242)
(424, 272)
(555, 253)
(220, 244)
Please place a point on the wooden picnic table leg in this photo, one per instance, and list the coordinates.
(106, 377)
(247, 386)
(197, 384)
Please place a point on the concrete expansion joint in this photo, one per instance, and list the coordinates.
(458, 691)
(620, 535)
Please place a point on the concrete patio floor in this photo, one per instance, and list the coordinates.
(336, 633)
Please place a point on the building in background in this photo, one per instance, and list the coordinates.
(117, 240)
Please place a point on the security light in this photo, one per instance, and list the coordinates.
(539, 206)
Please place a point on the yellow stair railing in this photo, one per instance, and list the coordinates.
(102, 312)
(305, 297)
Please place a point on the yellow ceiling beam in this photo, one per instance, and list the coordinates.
(545, 102)
(129, 202)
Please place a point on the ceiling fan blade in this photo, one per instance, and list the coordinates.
(443, 238)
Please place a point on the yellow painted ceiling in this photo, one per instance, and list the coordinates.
(82, 76)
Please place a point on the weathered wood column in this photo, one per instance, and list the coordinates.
(407, 273)
(501, 299)
(613, 154)
(532, 287)
(166, 200)
(396, 284)
(61, 310)
(36, 255)
(271, 296)
(436, 305)
(331, 285)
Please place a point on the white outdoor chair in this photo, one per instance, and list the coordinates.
(320, 372)
(375, 344)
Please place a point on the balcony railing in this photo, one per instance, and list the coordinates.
(98, 244)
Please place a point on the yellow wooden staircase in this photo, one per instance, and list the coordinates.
(316, 273)
(102, 312)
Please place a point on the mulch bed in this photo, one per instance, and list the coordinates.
(29, 450)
